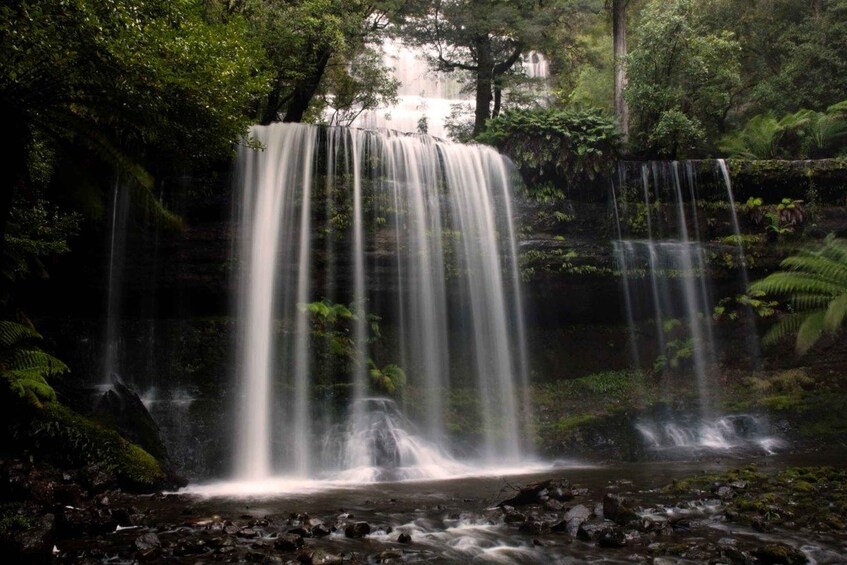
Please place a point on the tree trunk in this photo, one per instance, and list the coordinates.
(620, 52)
(498, 101)
(305, 90)
(484, 83)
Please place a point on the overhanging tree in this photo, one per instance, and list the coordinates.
(129, 82)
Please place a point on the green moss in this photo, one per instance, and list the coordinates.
(59, 434)
(566, 425)
(11, 517)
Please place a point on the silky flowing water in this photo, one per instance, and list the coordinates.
(334, 214)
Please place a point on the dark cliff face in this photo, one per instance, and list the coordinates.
(176, 325)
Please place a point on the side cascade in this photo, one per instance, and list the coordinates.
(662, 251)
(415, 238)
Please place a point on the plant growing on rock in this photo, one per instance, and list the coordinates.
(556, 146)
(813, 282)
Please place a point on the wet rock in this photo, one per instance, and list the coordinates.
(319, 557)
(725, 492)
(512, 516)
(31, 541)
(320, 530)
(779, 554)
(74, 522)
(147, 541)
(573, 519)
(191, 547)
(535, 527)
(288, 542)
(404, 538)
(538, 493)
(591, 530)
(611, 537)
(301, 531)
(388, 556)
(231, 529)
(553, 505)
(357, 530)
(617, 509)
(248, 533)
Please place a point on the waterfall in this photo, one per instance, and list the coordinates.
(426, 98)
(662, 255)
(118, 230)
(411, 234)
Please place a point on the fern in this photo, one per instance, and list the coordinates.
(24, 366)
(814, 282)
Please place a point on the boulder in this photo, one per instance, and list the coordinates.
(779, 554)
(611, 537)
(617, 509)
(357, 530)
(288, 542)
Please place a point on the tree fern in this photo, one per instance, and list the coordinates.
(24, 366)
(814, 284)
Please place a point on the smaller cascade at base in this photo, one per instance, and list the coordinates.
(377, 278)
(663, 255)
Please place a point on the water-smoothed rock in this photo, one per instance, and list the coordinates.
(612, 537)
(780, 554)
(288, 542)
(319, 557)
(573, 519)
(534, 527)
(404, 538)
(617, 509)
(357, 530)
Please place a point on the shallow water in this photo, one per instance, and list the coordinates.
(455, 520)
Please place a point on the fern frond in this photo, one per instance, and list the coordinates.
(818, 265)
(835, 313)
(12, 333)
(810, 331)
(32, 359)
(785, 327)
(789, 282)
(805, 302)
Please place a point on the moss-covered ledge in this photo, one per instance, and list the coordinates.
(823, 179)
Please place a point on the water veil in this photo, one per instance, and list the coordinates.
(360, 253)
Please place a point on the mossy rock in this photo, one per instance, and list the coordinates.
(64, 438)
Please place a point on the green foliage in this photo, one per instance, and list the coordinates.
(132, 84)
(390, 379)
(556, 146)
(534, 262)
(802, 135)
(675, 133)
(683, 75)
(332, 324)
(34, 232)
(24, 366)
(814, 283)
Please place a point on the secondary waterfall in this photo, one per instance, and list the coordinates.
(404, 231)
(663, 252)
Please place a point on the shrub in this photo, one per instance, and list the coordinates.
(561, 147)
